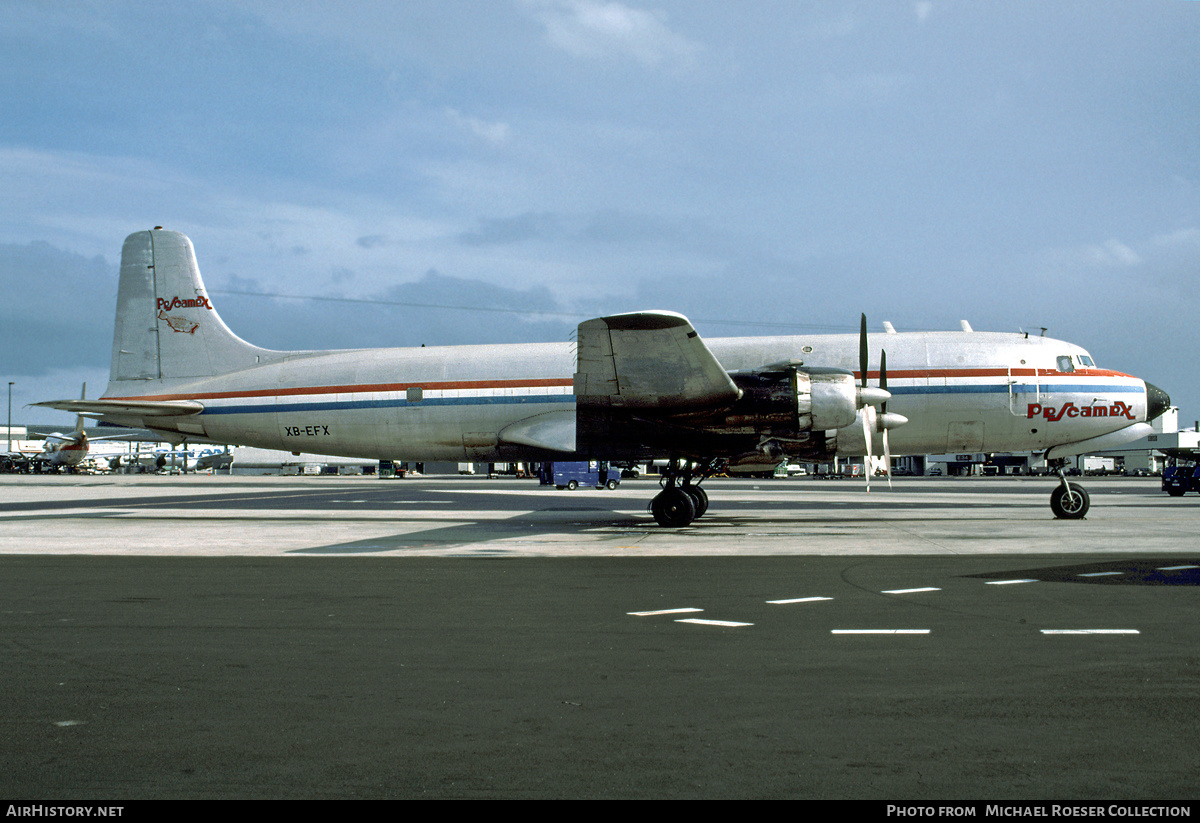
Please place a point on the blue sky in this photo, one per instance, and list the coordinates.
(763, 167)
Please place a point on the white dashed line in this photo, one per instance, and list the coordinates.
(1176, 568)
(662, 611)
(700, 622)
(1090, 631)
(910, 591)
(798, 600)
(1101, 574)
(1008, 582)
(879, 631)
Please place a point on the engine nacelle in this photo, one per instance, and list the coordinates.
(790, 402)
(832, 397)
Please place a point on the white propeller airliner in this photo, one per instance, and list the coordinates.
(632, 387)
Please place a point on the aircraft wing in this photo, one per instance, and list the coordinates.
(650, 361)
(139, 408)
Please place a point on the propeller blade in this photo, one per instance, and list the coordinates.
(887, 457)
(862, 349)
(887, 450)
(883, 378)
(868, 425)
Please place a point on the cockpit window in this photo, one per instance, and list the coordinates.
(1064, 363)
(1086, 361)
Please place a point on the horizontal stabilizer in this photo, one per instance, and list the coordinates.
(649, 361)
(140, 408)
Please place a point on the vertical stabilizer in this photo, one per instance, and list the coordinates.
(79, 418)
(166, 325)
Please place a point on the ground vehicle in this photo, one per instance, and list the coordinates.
(1179, 480)
(573, 474)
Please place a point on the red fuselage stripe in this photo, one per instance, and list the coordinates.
(551, 382)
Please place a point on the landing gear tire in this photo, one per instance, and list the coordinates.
(1072, 506)
(673, 507)
(699, 499)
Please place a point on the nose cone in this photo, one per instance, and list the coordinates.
(1157, 401)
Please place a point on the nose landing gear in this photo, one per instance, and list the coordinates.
(1069, 501)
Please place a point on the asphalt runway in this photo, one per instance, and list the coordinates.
(227, 637)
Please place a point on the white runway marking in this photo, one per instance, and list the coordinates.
(879, 631)
(1101, 574)
(1176, 568)
(910, 591)
(1090, 631)
(698, 621)
(1008, 582)
(798, 600)
(662, 611)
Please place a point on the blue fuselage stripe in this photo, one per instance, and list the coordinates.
(399, 403)
(1019, 388)
(346, 405)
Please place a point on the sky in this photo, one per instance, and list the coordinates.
(446, 172)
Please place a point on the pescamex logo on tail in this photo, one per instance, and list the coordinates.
(200, 301)
(1053, 414)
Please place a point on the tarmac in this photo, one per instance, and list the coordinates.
(184, 637)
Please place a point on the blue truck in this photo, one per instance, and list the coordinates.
(1179, 480)
(573, 474)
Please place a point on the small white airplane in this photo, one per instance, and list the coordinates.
(632, 387)
(64, 451)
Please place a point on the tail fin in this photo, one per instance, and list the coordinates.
(166, 326)
(79, 419)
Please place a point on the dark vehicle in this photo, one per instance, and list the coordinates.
(572, 475)
(1179, 480)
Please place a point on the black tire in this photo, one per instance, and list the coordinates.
(572, 485)
(1070, 507)
(699, 499)
(612, 484)
(673, 508)
(1175, 492)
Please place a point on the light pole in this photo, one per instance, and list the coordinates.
(10, 385)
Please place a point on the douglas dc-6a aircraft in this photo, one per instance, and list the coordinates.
(632, 387)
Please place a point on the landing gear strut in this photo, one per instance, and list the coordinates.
(1069, 501)
(682, 500)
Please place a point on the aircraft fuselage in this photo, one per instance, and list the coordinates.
(961, 391)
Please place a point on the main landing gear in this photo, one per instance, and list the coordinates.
(682, 500)
(1069, 501)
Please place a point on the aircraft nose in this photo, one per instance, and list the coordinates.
(1157, 401)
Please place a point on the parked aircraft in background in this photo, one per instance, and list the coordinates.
(633, 387)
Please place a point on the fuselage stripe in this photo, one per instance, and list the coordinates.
(395, 403)
(532, 399)
(566, 383)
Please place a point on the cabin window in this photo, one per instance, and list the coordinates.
(1064, 363)
(414, 394)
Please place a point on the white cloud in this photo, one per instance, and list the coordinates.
(1181, 238)
(1111, 253)
(594, 29)
(493, 132)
